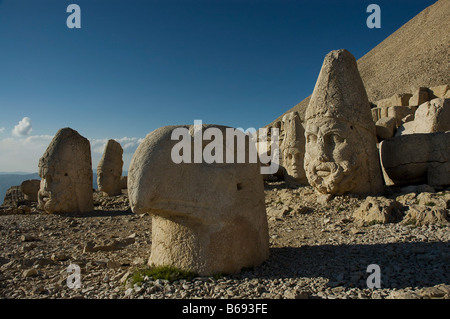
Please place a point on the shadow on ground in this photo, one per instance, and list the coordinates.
(98, 213)
(402, 265)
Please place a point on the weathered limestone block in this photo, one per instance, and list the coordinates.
(376, 113)
(30, 189)
(430, 117)
(341, 154)
(13, 196)
(420, 96)
(66, 172)
(408, 118)
(207, 218)
(400, 99)
(417, 159)
(447, 95)
(399, 112)
(109, 169)
(439, 91)
(386, 127)
(293, 149)
(378, 210)
(419, 215)
(379, 112)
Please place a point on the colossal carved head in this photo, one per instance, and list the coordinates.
(66, 172)
(340, 151)
(293, 149)
(109, 169)
(207, 217)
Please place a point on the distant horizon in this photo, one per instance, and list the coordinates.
(31, 173)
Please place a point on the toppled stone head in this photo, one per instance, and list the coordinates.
(293, 149)
(30, 189)
(109, 169)
(207, 218)
(66, 172)
(340, 153)
(417, 159)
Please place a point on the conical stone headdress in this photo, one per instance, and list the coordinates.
(340, 93)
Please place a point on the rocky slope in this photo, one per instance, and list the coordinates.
(318, 250)
(416, 55)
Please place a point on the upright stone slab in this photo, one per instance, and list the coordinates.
(66, 172)
(420, 96)
(207, 218)
(341, 154)
(293, 149)
(109, 169)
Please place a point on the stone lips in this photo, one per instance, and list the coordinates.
(207, 218)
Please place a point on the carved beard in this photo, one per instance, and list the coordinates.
(46, 201)
(338, 180)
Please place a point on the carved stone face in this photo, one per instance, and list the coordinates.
(66, 172)
(293, 163)
(341, 155)
(56, 189)
(293, 149)
(109, 169)
(331, 155)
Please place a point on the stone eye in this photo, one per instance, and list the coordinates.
(337, 139)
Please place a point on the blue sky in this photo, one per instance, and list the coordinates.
(138, 65)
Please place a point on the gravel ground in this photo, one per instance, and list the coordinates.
(317, 251)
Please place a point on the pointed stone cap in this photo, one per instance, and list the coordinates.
(339, 92)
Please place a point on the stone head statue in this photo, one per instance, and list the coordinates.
(340, 153)
(207, 217)
(293, 149)
(66, 172)
(109, 169)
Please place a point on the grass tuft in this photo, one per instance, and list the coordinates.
(169, 273)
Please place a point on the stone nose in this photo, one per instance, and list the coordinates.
(322, 151)
(46, 181)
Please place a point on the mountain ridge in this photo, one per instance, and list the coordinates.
(395, 65)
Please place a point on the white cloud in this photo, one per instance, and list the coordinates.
(2, 129)
(23, 128)
(129, 144)
(23, 153)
